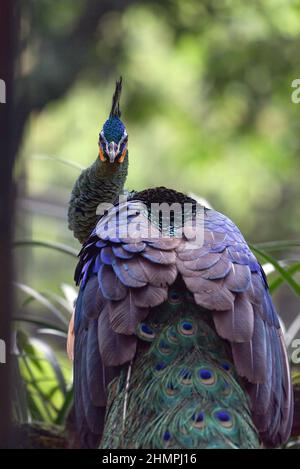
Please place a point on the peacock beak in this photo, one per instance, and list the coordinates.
(112, 150)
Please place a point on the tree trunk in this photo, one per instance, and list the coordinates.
(7, 47)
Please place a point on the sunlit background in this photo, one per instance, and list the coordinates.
(206, 102)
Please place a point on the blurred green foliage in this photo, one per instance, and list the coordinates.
(207, 105)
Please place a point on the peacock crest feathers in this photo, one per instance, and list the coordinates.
(114, 130)
(115, 107)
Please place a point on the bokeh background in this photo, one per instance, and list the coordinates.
(206, 102)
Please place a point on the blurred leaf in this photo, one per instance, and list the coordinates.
(277, 282)
(46, 385)
(293, 443)
(70, 293)
(54, 332)
(277, 245)
(71, 164)
(292, 331)
(19, 395)
(296, 378)
(35, 412)
(60, 301)
(283, 273)
(47, 244)
(43, 300)
(38, 322)
(62, 414)
(51, 358)
(27, 348)
(35, 395)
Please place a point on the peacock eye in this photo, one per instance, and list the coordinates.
(102, 139)
(174, 296)
(124, 143)
(224, 418)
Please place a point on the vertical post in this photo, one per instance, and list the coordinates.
(7, 46)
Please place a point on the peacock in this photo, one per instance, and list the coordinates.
(175, 339)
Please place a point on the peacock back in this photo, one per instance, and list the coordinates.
(176, 345)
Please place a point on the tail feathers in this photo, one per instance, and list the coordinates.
(183, 392)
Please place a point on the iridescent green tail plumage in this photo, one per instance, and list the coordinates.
(183, 390)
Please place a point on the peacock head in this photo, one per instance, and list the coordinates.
(113, 137)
